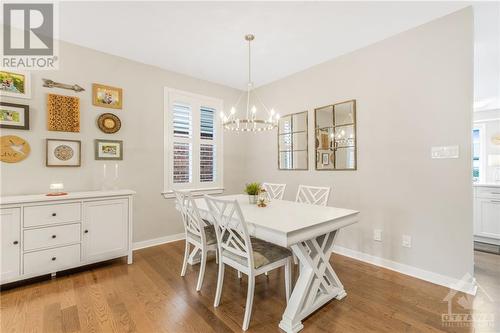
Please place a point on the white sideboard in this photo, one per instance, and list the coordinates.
(487, 213)
(43, 235)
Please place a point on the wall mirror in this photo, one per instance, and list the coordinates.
(292, 142)
(335, 136)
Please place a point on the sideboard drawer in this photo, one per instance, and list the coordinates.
(52, 260)
(52, 214)
(51, 236)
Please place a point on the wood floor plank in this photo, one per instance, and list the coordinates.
(150, 296)
(70, 320)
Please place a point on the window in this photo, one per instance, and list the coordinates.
(193, 143)
(478, 153)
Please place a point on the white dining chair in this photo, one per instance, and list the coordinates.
(249, 255)
(275, 191)
(313, 195)
(198, 232)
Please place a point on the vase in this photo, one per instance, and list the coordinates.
(252, 199)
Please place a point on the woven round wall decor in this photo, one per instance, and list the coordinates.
(109, 123)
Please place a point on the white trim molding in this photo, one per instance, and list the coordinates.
(195, 192)
(158, 241)
(445, 281)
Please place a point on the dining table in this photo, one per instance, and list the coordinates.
(310, 232)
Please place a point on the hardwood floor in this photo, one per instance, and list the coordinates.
(150, 296)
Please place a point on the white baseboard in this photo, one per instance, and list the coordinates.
(445, 281)
(157, 241)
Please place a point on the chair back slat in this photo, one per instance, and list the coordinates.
(313, 195)
(230, 228)
(193, 223)
(275, 191)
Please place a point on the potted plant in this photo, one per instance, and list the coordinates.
(252, 189)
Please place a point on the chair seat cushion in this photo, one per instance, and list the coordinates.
(264, 253)
(210, 236)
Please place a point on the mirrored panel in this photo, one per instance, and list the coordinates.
(292, 142)
(335, 136)
(285, 125)
(324, 117)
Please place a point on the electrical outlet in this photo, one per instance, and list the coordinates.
(406, 241)
(377, 235)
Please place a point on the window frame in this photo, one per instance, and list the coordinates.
(196, 101)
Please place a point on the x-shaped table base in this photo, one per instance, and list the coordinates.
(317, 283)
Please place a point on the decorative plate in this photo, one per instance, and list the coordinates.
(13, 149)
(109, 123)
(63, 152)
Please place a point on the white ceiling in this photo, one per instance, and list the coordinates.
(205, 39)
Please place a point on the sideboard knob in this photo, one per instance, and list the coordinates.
(53, 236)
(53, 258)
(16, 242)
(86, 231)
(54, 214)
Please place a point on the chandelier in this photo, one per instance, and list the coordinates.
(251, 121)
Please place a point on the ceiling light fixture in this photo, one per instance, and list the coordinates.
(251, 122)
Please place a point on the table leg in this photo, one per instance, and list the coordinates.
(317, 283)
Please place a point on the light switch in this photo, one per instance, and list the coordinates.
(406, 242)
(445, 152)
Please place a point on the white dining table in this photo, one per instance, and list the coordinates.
(310, 232)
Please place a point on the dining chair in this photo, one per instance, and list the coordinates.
(275, 191)
(249, 255)
(198, 232)
(314, 195)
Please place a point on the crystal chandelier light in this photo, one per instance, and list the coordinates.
(251, 122)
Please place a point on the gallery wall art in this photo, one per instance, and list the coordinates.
(108, 149)
(13, 149)
(14, 116)
(63, 113)
(107, 96)
(15, 84)
(109, 123)
(63, 153)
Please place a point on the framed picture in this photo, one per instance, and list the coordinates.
(15, 84)
(108, 149)
(15, 116)
(106, 96)
(63, 153)
(325, 158)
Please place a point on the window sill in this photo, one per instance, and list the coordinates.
(196, 192)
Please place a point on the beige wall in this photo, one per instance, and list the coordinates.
(413, 91)
(142, 133)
